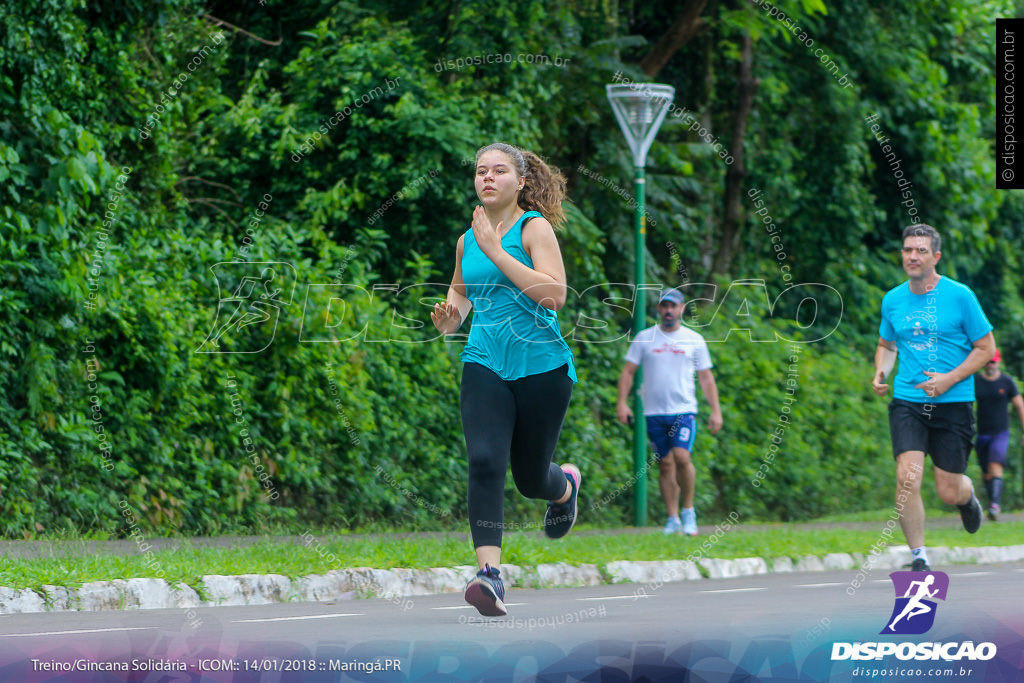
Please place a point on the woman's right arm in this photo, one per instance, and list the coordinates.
(447, 317)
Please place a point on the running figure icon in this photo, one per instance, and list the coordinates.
(917, 595)
(915, 607)
(246, 313)
(251, 298)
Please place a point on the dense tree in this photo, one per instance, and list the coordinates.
(142, 144)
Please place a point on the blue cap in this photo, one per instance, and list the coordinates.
(672, 295)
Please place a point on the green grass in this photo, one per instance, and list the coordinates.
(875, 515)
(189, 563)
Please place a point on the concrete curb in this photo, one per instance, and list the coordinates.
(399, 584)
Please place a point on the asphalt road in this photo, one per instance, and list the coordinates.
(775, 627)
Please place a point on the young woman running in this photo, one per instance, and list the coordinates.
(517, 372)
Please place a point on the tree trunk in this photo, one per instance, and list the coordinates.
(687, 24)
(732, 219)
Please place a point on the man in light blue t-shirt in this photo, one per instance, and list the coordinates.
(939, 332)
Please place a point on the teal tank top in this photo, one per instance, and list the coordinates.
(511, 334)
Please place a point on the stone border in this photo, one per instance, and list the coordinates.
(264, 589)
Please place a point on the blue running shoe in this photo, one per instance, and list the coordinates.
(690, 522)
(673, 526)
(486, 592)
(560, 517)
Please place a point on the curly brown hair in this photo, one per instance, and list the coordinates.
(544, 188)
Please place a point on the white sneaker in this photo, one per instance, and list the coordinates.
(690, 522)
(674, 526)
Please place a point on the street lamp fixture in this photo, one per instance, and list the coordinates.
(640, 109)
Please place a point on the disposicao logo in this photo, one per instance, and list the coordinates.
(914, 614)
(914, 611)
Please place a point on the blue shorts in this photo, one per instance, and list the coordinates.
(671, 431)
(992, 448)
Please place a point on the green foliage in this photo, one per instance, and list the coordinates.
(144, 144)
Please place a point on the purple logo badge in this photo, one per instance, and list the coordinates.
(916, 592)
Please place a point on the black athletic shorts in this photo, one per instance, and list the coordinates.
(945, 431)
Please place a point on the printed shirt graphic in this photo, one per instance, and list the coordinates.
(670, 361)
(933, 332)
(994, 398)
(511, 334)
(916, 592)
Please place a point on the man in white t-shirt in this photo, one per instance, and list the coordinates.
(671, 355)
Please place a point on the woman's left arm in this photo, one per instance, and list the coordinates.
(545, 282)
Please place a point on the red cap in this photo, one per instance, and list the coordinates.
(996, 357)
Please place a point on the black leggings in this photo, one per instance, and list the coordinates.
(521, 419)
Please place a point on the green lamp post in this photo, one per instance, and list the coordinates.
(640, 109)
